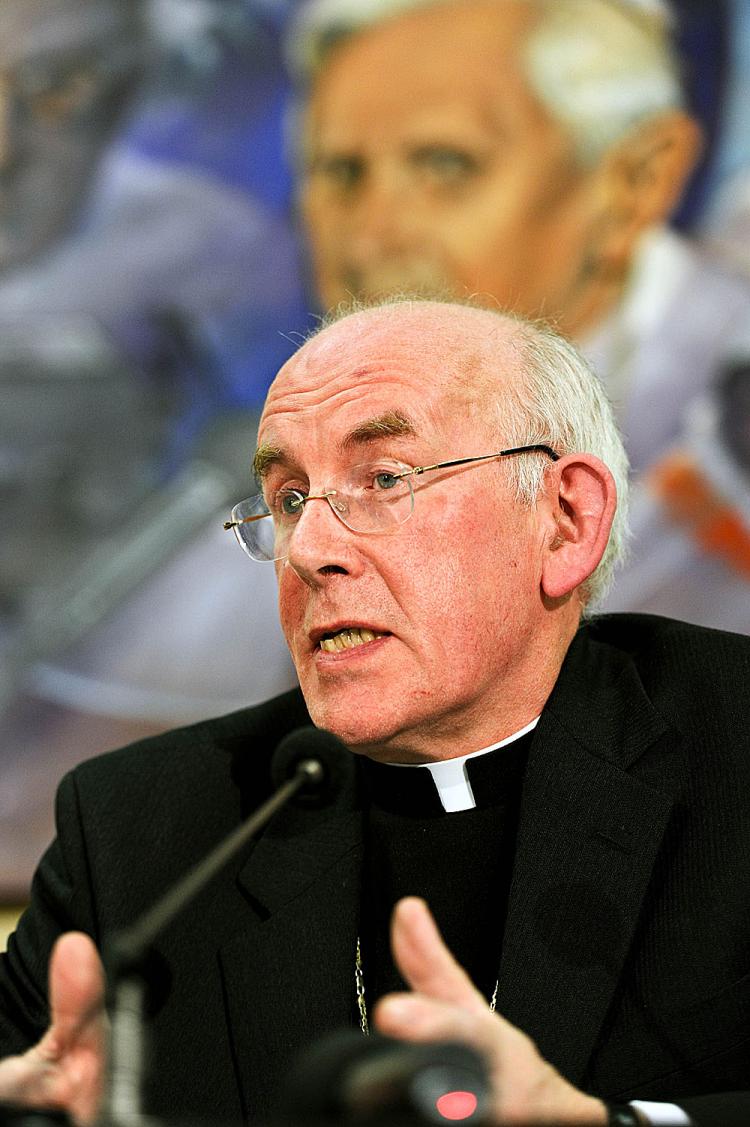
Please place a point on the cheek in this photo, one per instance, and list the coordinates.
(320, 222)
(484, 244)
(469, 626)
(329, 211)
(290, 602)
(502, 222)
(455, 582)
(499, 555)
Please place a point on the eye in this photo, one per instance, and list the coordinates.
(340, 172)
(288, 503)
(384, 479)
(444, 165)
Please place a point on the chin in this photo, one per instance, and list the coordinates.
(356, 733)
(361, 731)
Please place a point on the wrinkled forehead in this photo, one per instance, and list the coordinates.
(41, 28)
(436, 364)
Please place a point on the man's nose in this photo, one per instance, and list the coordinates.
(383, 217)
(321, 545)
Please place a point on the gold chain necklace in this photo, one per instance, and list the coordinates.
(359, 984)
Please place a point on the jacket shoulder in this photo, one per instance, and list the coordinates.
(686, 670)
(187, 765)
(646, 637)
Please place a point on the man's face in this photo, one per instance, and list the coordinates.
(429, 165)
(63, 72)
(451, 596)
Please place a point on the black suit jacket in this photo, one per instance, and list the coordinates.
(626, 954)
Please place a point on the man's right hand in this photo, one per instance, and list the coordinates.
(66, 1068)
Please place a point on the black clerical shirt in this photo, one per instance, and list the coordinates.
(460, 863)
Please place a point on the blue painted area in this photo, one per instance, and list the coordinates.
(702, 39)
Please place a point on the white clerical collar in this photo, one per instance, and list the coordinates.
(451, 778)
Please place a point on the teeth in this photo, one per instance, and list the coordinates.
(347, 640)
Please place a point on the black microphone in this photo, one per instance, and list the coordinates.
(325, 762)
(346, 1078)
(308, 762)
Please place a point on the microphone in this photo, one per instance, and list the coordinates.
(349, 1079)
(308, 762)
(324, 761)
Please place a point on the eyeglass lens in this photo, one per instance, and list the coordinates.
(373, 499)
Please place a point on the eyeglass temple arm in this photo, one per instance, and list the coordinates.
(536, 447)
(230, 524)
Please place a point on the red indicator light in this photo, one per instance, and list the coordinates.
(457, 1105)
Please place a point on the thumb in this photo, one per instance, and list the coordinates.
(76, 991)
(425, 962)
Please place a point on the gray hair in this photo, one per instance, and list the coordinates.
(600, 67)
(559, 402)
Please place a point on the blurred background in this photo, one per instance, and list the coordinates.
(153, 277)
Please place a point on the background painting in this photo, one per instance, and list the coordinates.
(152, 279)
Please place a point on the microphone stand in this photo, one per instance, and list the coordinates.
(128, 951)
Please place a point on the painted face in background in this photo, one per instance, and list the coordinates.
(431, 166)
(65, 68)
(451, 599)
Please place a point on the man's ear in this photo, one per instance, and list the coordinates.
(580, 502)
(642, 179)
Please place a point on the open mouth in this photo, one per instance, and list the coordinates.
(347, 639)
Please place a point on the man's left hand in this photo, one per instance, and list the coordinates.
(446, 1006)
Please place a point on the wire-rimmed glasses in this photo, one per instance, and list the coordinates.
(374, 498)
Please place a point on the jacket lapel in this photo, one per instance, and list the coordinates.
(289, 972)
(592, 819)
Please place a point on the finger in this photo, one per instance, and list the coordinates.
(24, 1081)
(413, 1017)
(76, 989)
(425, 962)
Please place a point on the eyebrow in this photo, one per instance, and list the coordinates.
(266, 456)
(391, 424)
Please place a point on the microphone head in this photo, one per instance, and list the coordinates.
(328, 764)
(348, 1078)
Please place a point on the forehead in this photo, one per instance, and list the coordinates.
(418, 60)
(438, 367)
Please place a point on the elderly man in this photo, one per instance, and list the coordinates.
(439, 488)
(530, 152)
(519, 150)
